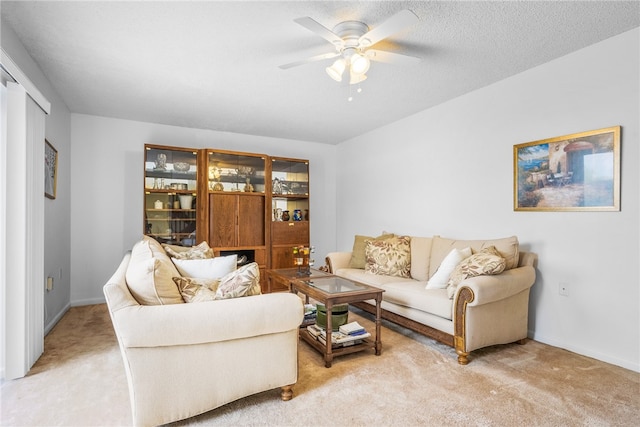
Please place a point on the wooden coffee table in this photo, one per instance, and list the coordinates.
(333, 290)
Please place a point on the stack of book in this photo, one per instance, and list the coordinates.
(310, 313)
(342, 337)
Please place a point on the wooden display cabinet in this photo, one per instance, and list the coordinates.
(247, 204)
(237, 206)
(170, 194)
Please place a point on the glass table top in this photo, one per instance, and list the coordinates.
(335, 285)
(294, 273)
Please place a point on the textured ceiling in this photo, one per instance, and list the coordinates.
(214, 65)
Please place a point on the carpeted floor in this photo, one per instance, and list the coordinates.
(80, 381)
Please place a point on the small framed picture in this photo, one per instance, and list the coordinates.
(577, 172)
(50, 170)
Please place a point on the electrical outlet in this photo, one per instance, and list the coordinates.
(563, 289)
(49, 284)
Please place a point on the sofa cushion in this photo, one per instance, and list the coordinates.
(487, 261)
(244, 281)
(359, 245)
(149, 274)
(415, 296)
(440, 280)
(507, 247)
(359, 275)
(200, 251)
(420, 257)
(389, 257)
(197, 290)
(210, 268)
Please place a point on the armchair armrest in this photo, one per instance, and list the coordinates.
(487, 289)
(205, 322)
(338, 260)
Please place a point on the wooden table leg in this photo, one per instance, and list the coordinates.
(378, 324)
(328, 355)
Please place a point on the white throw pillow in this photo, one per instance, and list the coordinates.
(441, 278)
(210, 268)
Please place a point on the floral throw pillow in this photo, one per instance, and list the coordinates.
(487, 261)
(389, 257)
(201, 251)
(244, 281)
(197, 290)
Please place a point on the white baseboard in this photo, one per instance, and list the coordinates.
(89, 301)
(49, 326)
(627, 364)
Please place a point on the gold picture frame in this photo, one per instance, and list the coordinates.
(50, 170)
(577, 172)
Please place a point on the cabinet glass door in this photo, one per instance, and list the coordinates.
(236, 172)
(290, 190)
(170, 188)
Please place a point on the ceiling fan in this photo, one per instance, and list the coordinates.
(352, 41)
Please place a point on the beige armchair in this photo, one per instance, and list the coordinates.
(185, 359)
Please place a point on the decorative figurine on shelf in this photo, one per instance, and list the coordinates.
(248, 188)
(302, 259)
(161, 162)
(297, 215)
(276, 186)
(277, 214)
(285, 216)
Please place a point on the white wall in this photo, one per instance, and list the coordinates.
(57, 225)
(449, 171)
(107, 187)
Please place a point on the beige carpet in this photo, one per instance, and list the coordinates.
(80, 381)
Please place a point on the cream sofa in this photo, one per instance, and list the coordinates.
(485, 310)
(185, 359)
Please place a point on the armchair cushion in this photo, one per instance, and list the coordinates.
(200, 251)
(244, 281)
(210, 268)
(195, 289)
(149, 274)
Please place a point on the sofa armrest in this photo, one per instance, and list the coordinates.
(338, 260)
(205, 322)
(487, 289)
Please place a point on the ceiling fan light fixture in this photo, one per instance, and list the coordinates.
(335, 71)
(356, 78)
(359, 64)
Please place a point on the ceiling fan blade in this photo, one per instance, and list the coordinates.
(397, 22)
(312, 59)
(320, 30)
(391, 58)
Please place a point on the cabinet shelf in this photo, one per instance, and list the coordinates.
(170, 174)
(168, 192)
(291, 196)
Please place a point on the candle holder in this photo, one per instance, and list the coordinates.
(302, 259)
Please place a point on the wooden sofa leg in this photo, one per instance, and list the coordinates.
(287, 392)
(523, 341)
(463, 357)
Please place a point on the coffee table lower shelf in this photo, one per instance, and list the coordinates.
(366, 344)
